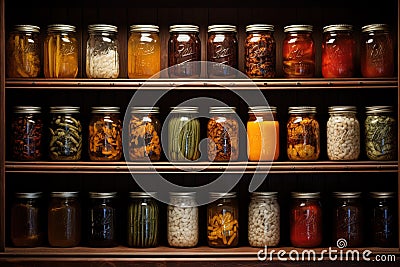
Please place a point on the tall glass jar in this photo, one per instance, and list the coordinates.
(264, 219)
(23, 52)
(338, 51)
(144, 56)
(260, 51)
(61, 52)
(303, 134)
(65, 133)
(298, 52)
(223, 134)
(183, 220)
(102, 51)
(343, 133)
(27, 133)
(144, 134)
(105, 134)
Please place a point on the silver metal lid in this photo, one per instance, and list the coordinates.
(215, 195)
(264, 194)
(27, 109)
(378, 109)
(260, 27)
(375, 27)
(64, 194)
(26, 28)
(222, 28)
(338, 27)
(142, 194)
(302, 109)
(145, 110)
(305, 194)
(144, 28)
(105, 109)
(298, 28)
(184, 28)
(102, 195)
(28, 195)
(64, 109)
(262, 109)
(214, 110)
(184, 109)
(61, 27)
(342, 109)
(382, 194)
(347, 194)
(102, 28)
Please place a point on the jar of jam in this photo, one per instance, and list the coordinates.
(298, 52)
(306, 219)
(303, 134)
(260, 51)
(223, 134)
(338, 51)
(144, 56)
(102, 51)
(377, 51)
(144, 134)
(23, 52)
(27, 133)
(105, 134)
(61, 52)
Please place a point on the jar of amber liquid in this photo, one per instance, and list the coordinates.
(338, 51)
(262, 134)
(377, 51)
(61, 52)
(144, 56)
(26, 220)
(64, 219)
(105, 134)
(298, 52)
(303, 134)
(223, 134)
(260, 51)
(23, 52)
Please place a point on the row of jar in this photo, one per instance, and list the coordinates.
(264, 219)
(339, 47)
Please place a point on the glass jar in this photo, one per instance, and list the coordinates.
(105, 134)
(183, 220)
(223, 220)
(264, 219)
(303, 134)
(144, 134)
(223, 134)
(144, 56)
(348, 218)
(260, 51)
(61, 52)
(102, 52)
(64, 219)
(184, 51)
(306, 219)
(343, 133)
(27, 133)
(102, 220)
(298, 52)
(65, 133)
(26, 220)
(143, 220)
(338, 51)
(380, 133)
(23, 52)
(183, 134)
(377, 51)
(262, 134)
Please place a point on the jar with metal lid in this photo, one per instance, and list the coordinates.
(27, 133)
(380, 133)
(298, 52)
(183, 220)
(61, 52)
(303, 134)
(65, 133)
(184, 51)
(264, 219)
(262, 134)
(144, 56)
(223, 134)
(183, 134)
(26, 220)
(223, 220)
(306, 219)
(144, 134)
(343, 133)
(377, 51)
(23, 52)
(64, 219)
(102, 51)
(338, 51)
(260, 51)
(143, 220)
(105, 134)
(102, 220)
